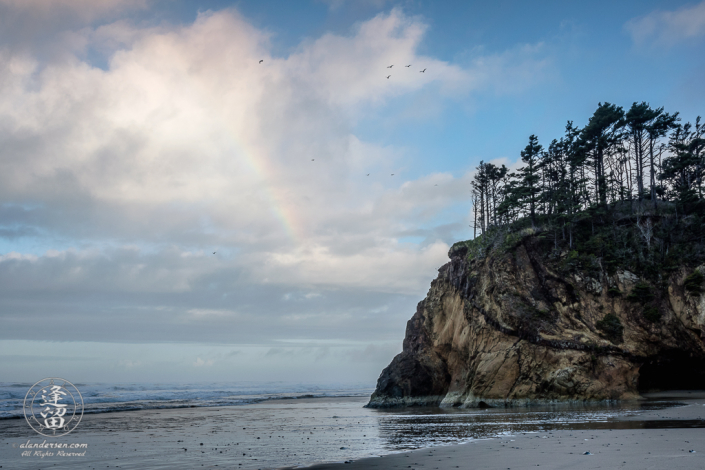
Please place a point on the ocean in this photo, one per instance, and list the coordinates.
(106, 398)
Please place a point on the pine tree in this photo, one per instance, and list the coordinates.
(637, 121)
(495, 176)
(480, 185)
(657, 129)
(683, 170)
(529, 188)
(599, 137)
(588, 169)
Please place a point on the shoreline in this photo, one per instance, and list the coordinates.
(321, 433)
(652, 447)
(254, 401)
(493, 403)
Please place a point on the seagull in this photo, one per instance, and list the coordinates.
(312, 159)
(390, 66)
(214, 252)
(388, 77)
(261, 60)
(368, 174)
(422, 71)
(408, 65)
(392, 174)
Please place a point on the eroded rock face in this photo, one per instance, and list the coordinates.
(509, 329)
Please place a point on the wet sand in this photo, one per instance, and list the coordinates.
(292, 432)
(654, 448)
(265, 435)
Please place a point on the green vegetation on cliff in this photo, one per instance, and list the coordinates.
(610, 240)
(608, 243)
(638, 164)
(625, 192)
(622, 196)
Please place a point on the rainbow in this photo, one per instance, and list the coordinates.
(260, 165)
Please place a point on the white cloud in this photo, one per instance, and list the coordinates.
(203, 312)
(352, 70)
(86, 9)
(668, 27)
(338, 4)
(514, 70)
(55, 29)
(187, 128)
(128, 364)
(186, 144)
(393, 269)
(203, 363)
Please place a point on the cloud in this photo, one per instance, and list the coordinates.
(514, 70)
(84, 9)
(128, 364)
(203, 363)
(118, 183)
(668, 28)
(375, 353)
(338, 4)
(201, 312)
(54, 30)
(352, 70)
(393, 270)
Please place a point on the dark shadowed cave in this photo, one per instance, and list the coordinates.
(672, 370)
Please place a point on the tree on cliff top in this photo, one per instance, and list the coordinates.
(529, 188)
(600, 137)
(593, 168)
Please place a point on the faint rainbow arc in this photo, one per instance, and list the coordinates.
(261, 166)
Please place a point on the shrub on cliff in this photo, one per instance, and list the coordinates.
(641, 293)
(694, 283)
(614, 292)
(652, 314)
(611, 327)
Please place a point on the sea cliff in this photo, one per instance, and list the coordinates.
(518, 317)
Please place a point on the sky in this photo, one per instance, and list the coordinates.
(264, 190)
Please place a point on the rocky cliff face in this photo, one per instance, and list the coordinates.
(516, 326)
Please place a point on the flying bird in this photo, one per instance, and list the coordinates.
(408, 65)
(261, 60)
(422, 71)
(368, 174)
(312, 159)
(392, 174)
(390, 66)
(214, 252)
(388, 77)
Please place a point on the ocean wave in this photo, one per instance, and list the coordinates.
(107, 398)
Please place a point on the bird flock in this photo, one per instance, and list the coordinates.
(407, 66)
(389, 67)
(388, 77)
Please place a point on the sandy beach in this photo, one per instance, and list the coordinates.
(299, 433)
(658, 445)
(266, 435)
(647, 449)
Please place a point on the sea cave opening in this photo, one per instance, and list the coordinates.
(672, 370)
